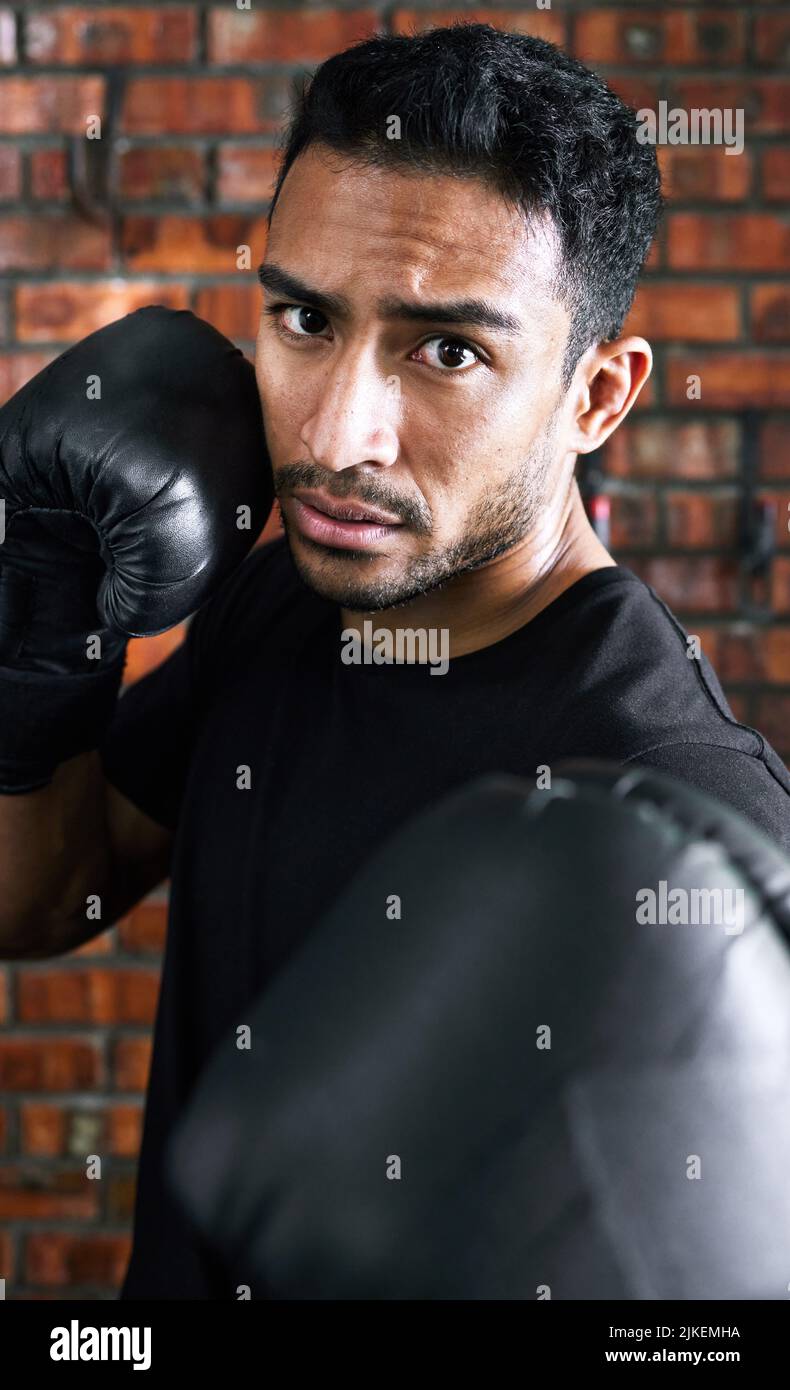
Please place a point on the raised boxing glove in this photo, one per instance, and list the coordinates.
(134, 476)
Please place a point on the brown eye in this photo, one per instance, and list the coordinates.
(451, 354)
(303, 321)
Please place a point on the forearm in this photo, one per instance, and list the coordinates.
(54, 853)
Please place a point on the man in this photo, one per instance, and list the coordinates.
(457, 231)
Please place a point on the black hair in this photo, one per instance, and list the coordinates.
(515, 110)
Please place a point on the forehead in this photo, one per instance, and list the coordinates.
(345, 224)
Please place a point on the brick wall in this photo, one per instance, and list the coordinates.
(190, 96)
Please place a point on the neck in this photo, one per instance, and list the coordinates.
(485, 605)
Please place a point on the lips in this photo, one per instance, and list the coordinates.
(345, 510)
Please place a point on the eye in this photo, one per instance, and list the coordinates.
(297, 320)
(447, 354)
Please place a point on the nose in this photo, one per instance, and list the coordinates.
(355, 415)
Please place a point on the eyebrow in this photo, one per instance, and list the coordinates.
(478, 313)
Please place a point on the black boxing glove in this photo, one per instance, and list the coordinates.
(497, 1094)
(123, 468)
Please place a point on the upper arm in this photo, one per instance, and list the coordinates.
(140, 854)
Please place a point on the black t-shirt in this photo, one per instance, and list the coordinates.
(338, 757)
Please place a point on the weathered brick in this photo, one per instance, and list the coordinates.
(283, 36)
(144, 928)
(65, 311)
(731, 381)
(666, 449)
(634, 519)
(49, 240)
(204, 105)
(246, 173)
(769, 307)
(704, 173)
(38, 1195)
(58, 1063)
(10, 173)
(728, 241)
(87, 995)
(49, 174)
(763, 102)
(8, 43)
(686, 313)
(772, 39)
(234, 309)
(50, 105)
(131, 1064)
(55, 1258)
(776, 173)
(174, 172)
(707, 584)
(179, 243)
(775, 446)
(544, 24)
(632, 36)
(706, 520)
(74, 34)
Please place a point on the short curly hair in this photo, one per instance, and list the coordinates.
(518, 112)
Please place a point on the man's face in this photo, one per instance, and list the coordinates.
(375, 399)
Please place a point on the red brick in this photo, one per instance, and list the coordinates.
(120, 1198)
(170, 171)
(49, 174)
(36, 1195)
(49, 1064)
(144, 929)
(43, 1129)
(704, 38)
(10, 173)
(775, 447)
(277, 36)
(775, 656)
(246, 173)
(728, 241)
(772, 716)
(6, 1257)
(764, 102)
(769, 307)
(57, 1259)
(781, 505)
(234, 309)
(50, 240)
(776, 173)
(545, 24)
(49, 105)
(179, 243)
(102, 945)
(635, 90)
(704, 173)
(4, 993)
(772, 39)
(16, 368)
(101, 996)
(204, 105)
(634, 519)
(124, 1129)
(731, 381)
(8, 48)
(666, 449)
(66, 311)
(701, 519)
(131, 1064)
(708, 584)
(72, 34)
(686, 313)
(3, 1129)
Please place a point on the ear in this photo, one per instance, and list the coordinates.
(608, 380)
